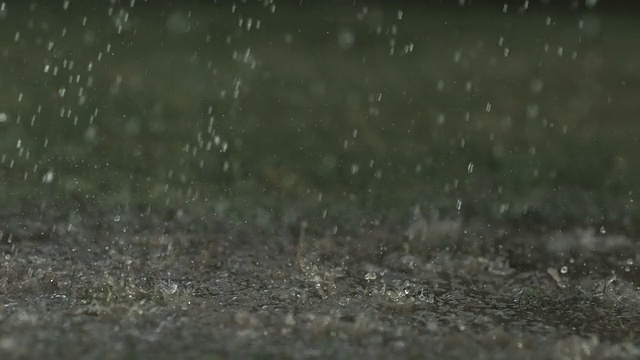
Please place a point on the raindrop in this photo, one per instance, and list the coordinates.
(371, 275)
(468, 86)
(346, 39)
(533, 111)
(536, 86)
(48, 177)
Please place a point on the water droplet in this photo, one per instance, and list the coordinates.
(370, 275)
(346, 39)
(48, 177)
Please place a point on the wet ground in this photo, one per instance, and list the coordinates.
(251, 181)
(143, 287)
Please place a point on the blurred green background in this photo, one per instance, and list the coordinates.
(340, 109)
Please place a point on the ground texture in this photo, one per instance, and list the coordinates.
(147, 286)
